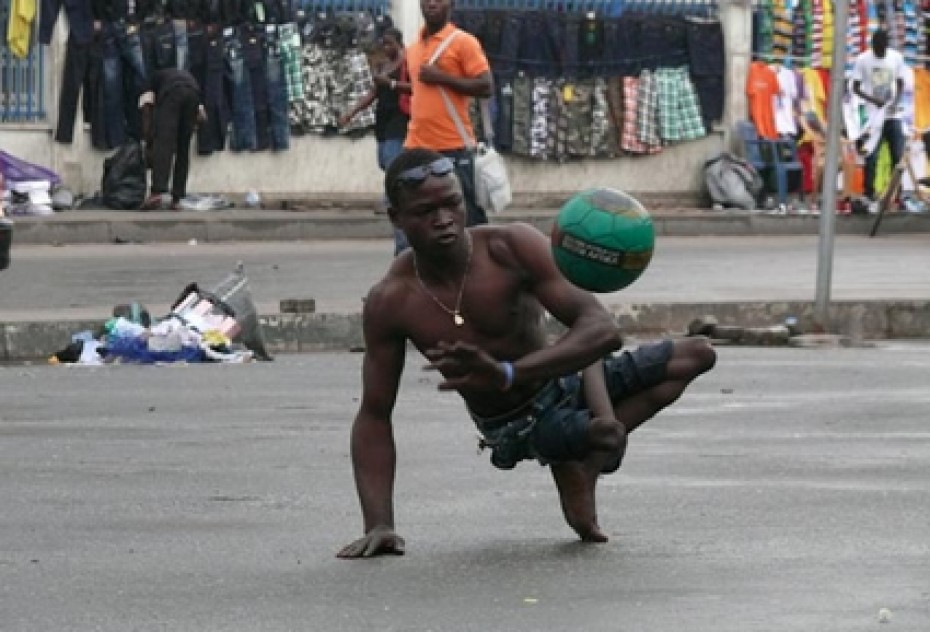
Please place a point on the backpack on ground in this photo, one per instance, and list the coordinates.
(732, 181)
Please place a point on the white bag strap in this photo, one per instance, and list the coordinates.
(485, 121)
(443, 46)
(468, 140)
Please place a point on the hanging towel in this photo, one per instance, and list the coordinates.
(22, 13)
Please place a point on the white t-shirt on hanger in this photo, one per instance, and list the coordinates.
(783, 102)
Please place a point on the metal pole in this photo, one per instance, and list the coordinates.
(830, 170)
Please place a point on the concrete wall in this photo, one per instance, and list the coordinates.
(329, 168)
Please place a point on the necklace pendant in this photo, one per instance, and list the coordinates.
(457, 319)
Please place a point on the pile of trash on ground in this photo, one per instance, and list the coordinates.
(220, 326)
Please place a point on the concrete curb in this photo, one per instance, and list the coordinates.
(102, 227)
(294, 333)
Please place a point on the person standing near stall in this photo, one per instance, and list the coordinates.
(878, 78)
(171, 110)
(448, 68)
(391, 93)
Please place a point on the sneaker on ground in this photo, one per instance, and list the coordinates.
(154, 202)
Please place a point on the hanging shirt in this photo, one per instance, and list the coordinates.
(878, 76)
(784, 102)
(22, 13)
(921, 98)
(762, 88)
(827, 22)
(816, 95)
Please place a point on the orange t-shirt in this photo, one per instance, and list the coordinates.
(921, 99)
(761, 88)
(430, 125)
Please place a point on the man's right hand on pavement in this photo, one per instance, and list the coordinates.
(378, 541)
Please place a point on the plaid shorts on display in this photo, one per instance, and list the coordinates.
(647, 110)
(629, 138)
(679, 112)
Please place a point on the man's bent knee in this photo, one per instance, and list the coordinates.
(606, 435)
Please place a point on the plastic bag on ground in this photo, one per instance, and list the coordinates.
(123, 184)
(234, 292)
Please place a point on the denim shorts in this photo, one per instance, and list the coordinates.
(553, 426)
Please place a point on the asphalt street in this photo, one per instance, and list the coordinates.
(786, 491)
(74, 282)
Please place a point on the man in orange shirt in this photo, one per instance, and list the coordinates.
(462, 72)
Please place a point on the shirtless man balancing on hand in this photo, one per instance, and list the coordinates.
(472, 301)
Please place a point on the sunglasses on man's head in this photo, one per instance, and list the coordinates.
(416, 175)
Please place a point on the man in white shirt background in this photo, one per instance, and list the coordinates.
(878, 79)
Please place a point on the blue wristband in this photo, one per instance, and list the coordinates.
(508, 375)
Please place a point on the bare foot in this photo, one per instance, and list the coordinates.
(576, 481)
(593, 534)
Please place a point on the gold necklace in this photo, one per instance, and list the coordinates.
(456, 313)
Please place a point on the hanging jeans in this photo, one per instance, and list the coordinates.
(243, 110)
(252, 52)
(211, 136)
(124, 75)
(664, 42)
(75, 78)
(619, 48)
(506, 63)
(159, 45)
(197, 52)
(492, 32)
(277, 97)
(541, 43)
(706, 54)
(182, 59)
(95, 99)
(571, 28)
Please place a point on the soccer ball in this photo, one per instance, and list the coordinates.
(602, 239)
